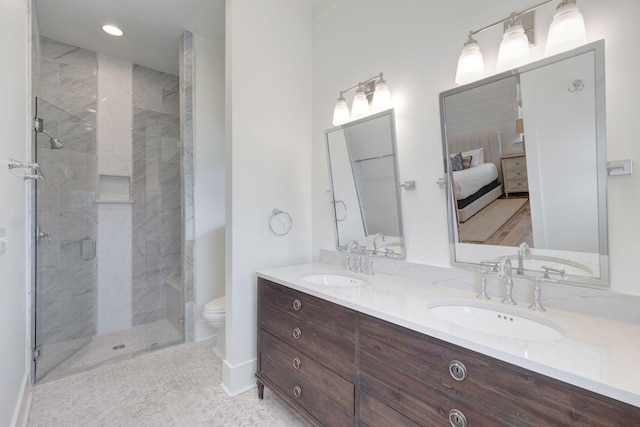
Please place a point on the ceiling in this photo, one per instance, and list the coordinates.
(151, 27)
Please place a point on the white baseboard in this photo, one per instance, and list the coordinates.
(239, 378)
(21, 412)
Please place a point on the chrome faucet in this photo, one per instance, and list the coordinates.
(375, 245)
(523, 250)
(537, 291)
(349, 246)
(505, 271)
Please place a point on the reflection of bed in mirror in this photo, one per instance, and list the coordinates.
(480, 183)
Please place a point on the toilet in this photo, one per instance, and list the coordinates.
(214, 313)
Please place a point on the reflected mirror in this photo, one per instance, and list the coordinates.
(525, 163)
(363, 168)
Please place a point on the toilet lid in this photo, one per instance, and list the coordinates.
(216, 305)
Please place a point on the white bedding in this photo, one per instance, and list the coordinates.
(468, 181)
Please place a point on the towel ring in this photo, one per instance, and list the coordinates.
(280, 220)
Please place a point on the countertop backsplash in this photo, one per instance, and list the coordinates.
(586, 300)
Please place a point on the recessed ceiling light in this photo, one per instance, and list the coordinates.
(113, 30)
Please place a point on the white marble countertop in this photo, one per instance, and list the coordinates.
(597, 354)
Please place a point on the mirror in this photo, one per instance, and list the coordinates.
(525, 162)
(363, 169)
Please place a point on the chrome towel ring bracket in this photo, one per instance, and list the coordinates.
(280, 222)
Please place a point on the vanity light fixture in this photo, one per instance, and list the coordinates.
(567, 29)
(341, 111)
(514, 47)
(112, 30)
(374, 90)
(566, 32)
(360, 106)
(470, 63)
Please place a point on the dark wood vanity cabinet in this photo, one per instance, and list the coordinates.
(414, 375)
(338, 367)
(306, 353)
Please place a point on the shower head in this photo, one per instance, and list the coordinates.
(55, 142)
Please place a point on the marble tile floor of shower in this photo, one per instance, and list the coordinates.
(110, 347)
(176, 386)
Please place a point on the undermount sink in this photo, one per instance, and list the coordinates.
(333, 279)
(496, 321)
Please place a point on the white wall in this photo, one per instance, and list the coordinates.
(209, 170)
(268, 122)
(14, 114)
(416, 44)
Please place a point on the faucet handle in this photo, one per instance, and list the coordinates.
(483, 286)
(536, 305)
(491, 265)
(548, 269)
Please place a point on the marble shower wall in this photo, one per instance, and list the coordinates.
(187, 77)
(157, 214)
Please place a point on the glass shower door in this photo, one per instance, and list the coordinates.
(65, 230)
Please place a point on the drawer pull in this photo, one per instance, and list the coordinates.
(297, 391)
(457, 370)
(297, 333)
(297, 363)
(297, 304)
(457, 418)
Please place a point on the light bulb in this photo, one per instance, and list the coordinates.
(112, 30)
(360, 107)
(381, 96)
(470, 63)
(341, 112)
(514, 48)
(567, 30)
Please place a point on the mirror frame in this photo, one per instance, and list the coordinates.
(390, 113)
(602, 172)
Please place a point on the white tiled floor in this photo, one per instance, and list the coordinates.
(177, 386)
(100, 349)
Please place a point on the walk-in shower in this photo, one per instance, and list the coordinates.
(108, 245)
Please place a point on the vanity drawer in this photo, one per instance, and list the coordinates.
(375, 413)
(297, 365)
(322, 330)
(322, 393)
(395, 370)
(410, 371)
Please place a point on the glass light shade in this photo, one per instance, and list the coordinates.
(341, 112)
(566, 31)
(470, 64)
(381, 97)
(360, 107)
(514, 49)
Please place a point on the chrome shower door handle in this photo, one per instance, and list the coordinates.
(83, 256)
